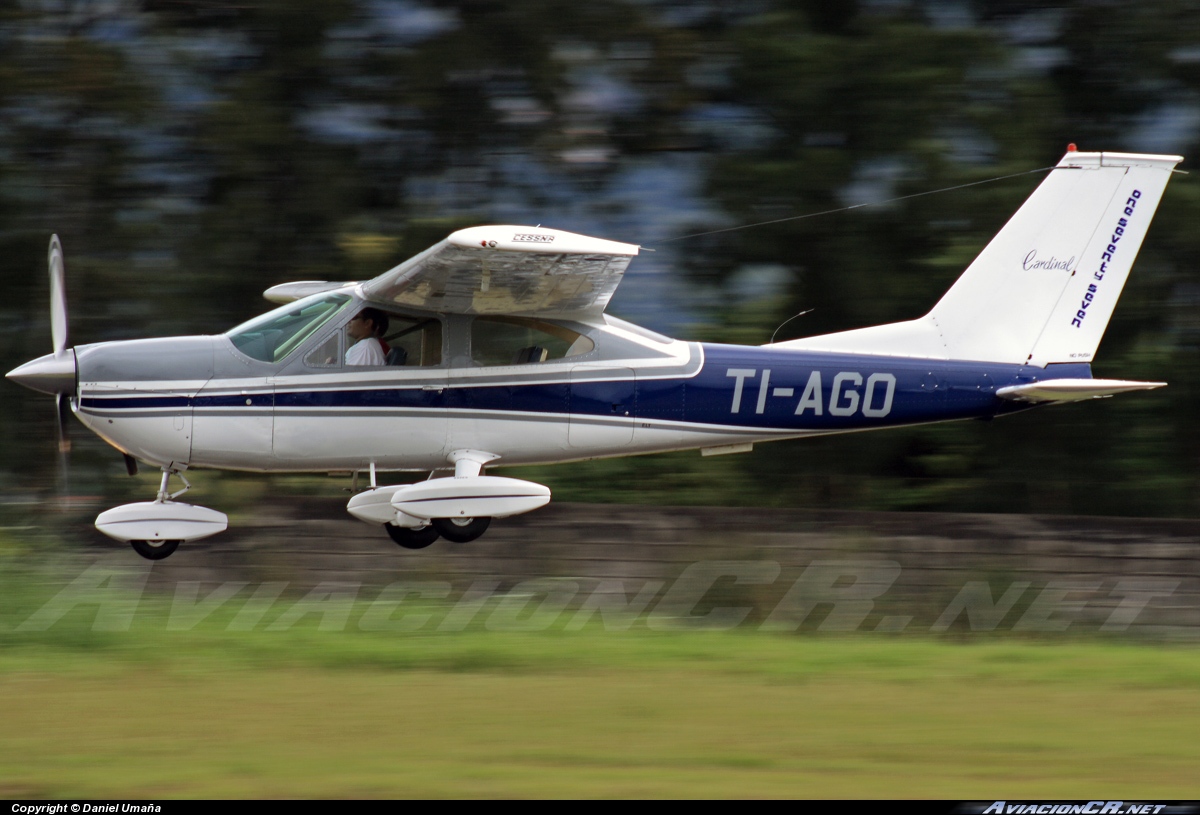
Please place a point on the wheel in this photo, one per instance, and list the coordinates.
(461, 530)
(412, 538)
(155, 550)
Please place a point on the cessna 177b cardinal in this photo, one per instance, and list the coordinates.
(494, 349)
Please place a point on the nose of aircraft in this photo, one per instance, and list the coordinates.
(49, 374)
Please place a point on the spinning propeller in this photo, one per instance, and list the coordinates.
(54, 373)
(58, 333)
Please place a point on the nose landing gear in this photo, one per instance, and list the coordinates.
(156, 528)
(155, 550)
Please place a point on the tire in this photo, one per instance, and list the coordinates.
(461, 530)
(412, 538)
(155, 550)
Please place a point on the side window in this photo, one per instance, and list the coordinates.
(398, 340)
(413, 341)
(521, 341)
(328, 354)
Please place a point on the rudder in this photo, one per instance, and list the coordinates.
(1077, 323)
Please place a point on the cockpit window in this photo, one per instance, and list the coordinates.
(518, 341)
(276, 334)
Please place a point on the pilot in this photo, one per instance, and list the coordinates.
(367, 327)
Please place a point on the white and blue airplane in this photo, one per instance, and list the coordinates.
(498, 351)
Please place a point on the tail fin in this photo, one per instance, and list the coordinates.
(1045, 287)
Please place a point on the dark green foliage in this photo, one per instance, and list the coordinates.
(191, 154)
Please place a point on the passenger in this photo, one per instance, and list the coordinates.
(366, 327)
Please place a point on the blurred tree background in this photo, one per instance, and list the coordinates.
(191, 153)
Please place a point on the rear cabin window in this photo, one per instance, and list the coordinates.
(521, 341)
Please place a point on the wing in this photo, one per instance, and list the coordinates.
(508, 270)
(298, 290)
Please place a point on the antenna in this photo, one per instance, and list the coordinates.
(858, 206)
(788, 320)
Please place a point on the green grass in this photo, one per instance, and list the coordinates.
(614, 732)
(209, 712)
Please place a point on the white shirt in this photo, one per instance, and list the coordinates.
(366, 352)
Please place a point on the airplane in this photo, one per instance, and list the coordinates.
(499, 352)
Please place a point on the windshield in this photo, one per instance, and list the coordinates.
(274, 335)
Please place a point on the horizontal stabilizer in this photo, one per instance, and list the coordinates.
(1072, 390)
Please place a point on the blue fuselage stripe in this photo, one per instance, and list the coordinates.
(738, 386)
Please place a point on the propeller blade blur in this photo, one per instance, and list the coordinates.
(58, 297)
(63, 412)
(62, 408)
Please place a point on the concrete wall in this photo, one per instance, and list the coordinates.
(782, 569)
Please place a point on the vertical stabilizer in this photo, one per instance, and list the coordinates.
(1043, 290)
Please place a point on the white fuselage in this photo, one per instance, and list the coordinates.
(401, 418)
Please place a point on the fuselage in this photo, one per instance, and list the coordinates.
(202, 402)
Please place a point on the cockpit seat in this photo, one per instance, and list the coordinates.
(533, 353)
(396, 356)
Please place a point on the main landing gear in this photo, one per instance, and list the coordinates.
(461, 530)
(457, 530)
(413, 538)
(459, 508)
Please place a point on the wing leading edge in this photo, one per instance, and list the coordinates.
(508, 270)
